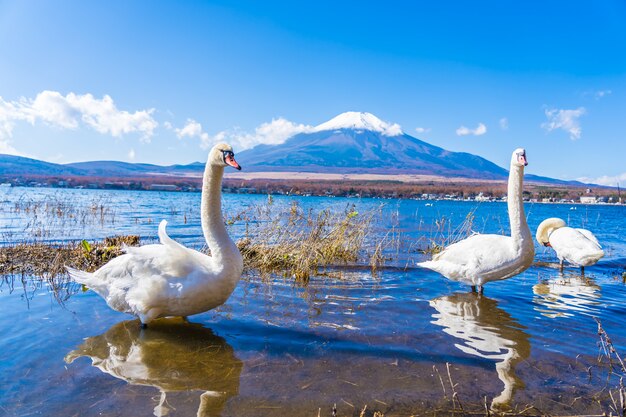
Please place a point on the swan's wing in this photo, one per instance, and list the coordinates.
(574, 246)
(473, 256)
(482, 247)
(589, 236)
(151, 261)
(147, 276)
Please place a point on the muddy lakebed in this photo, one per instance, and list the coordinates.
(401, 340)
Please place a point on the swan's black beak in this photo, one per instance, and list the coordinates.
(546, 244)
(229, 158)
(521, 158)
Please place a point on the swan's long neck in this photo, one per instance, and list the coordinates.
(213, 227)
(515, 203)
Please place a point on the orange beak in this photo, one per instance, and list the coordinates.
(230, 160)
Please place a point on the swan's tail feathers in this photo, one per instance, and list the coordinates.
(165, 239)
(429, 265)
(591, 258)
(89, 280)
(82, 277)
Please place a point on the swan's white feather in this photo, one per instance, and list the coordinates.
(480, 259)
(576, 246)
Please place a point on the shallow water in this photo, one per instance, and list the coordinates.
(277, 349)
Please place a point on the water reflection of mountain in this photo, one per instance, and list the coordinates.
(171, 356)
(566, 295)
(486, 331)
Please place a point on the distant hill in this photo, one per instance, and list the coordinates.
(18, 166)
(351, 143)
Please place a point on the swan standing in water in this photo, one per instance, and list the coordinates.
(168, 279)
(576, 246)
(483, 258)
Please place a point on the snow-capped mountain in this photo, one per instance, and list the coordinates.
(360, 121)
(356, 142)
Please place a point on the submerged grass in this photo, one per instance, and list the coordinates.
(42, 217)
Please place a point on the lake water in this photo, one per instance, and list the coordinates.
(391, 341)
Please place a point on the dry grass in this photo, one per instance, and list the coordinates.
(43, 217)
(292, 243)
(444, 234)
(299, 244)
(48, 260)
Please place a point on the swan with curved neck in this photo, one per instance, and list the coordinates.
(576, 246)
(483, 258)
(168, 279)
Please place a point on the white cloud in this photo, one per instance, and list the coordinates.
(72, 110)
(131, 154)
(480, 130)
(504, 123)
(192, 129)
(423, 129)
(5, 147)
(606, 180)
(271, 133)
(597, 94)
(566, 120)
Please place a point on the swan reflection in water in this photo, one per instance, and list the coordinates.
(567, 295)
(486, 331)
(171, 355)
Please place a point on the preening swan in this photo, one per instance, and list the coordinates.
(484, 258)
(168, 279)
(576, 246)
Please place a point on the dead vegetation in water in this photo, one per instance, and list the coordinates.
(301, 243)
(615, 367)
(293, 243)
(48, 260)
(42, 217)
(444, 234)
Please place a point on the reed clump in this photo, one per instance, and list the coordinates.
(444, 235)
(48, 260)
(301, 243)
(57, 214)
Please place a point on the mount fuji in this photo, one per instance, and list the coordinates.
(357, 142)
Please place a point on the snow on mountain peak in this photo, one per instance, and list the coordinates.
(360, 120)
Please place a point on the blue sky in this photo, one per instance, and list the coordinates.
(159, 82)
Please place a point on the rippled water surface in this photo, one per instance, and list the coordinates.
(392, 341)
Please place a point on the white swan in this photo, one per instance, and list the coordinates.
(169, 279)
(576, 246)
(484, 258)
